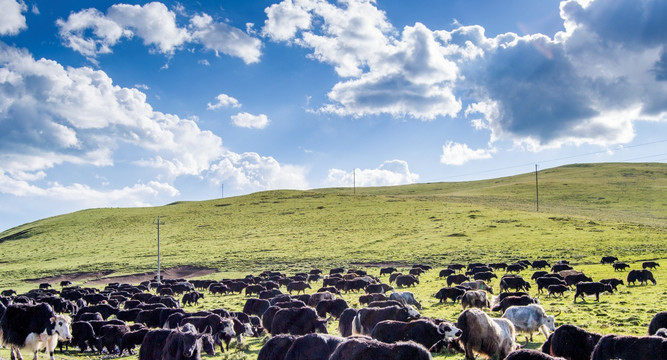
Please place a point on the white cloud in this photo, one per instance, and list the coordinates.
(91, 32)
(226, 39)
(223, 100)
(251, 172)
(459, 154)
(107, 32)
(392, 172)
(589, 84)
(52, 115)
(285, 19)
(250, 121)
(141, 86)
(12, 20)
(402, 76)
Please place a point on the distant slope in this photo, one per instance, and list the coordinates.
(586, 209)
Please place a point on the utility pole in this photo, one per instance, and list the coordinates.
(222, 190)
(537, 192)
(354, 180)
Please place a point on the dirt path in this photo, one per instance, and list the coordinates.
(103, 278)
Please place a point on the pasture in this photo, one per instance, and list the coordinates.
(586, 212)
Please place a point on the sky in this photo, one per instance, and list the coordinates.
(126, 104)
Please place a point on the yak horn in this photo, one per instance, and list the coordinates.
(559, 311)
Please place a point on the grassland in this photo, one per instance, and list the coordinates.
(585, 211)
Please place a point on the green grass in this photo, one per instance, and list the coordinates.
(585, 211)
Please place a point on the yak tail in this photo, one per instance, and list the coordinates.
(356, 325)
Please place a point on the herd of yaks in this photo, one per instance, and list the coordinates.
(122, 316)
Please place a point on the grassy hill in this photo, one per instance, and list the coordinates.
(584, 211)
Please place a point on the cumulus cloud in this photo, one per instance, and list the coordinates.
(250, 121)
(223, 38)
(223, 101)
(406, 75)
(392, 172)
(589, 84)
(91, 32)
(12, 20)
(253, 172)
(458, 154)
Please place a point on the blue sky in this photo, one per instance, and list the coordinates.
(123, 104)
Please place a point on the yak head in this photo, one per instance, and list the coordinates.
(61, 325)
(448, 331)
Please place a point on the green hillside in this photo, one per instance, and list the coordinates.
(584, 211)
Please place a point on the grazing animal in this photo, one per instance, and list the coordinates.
(571, 342)
(544, 283)
(276, 347)
(485, 275)
(557, 289)
(416, 271)
(608, 260)
(591, 288)
(630, 347)
(643, 276)
(613, 282)
(498, 266)
(112, 335)
(620, 266)
(368, 349)
(33, 328)
(366, 318)
(540, 264)
(256, 306)
(298, 286)
(574, 279)
(484, 335)
(658, 321)
(560, 267)
(182, 345)
(456, 279)
(387, 270)
(334, 307)
(421, 331)
(192, 298)
(406, 298)
(514, 268)
(529, 319)
(132, 339)
(345, 322)
(475, 299)
(313, 347)
(297, 321)
(508, 301)
(406, 280)
(83, 336)
(446, 272)
(377, 288)
(650, 265)
(513, 283)
(366, 299)
(453, 293)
